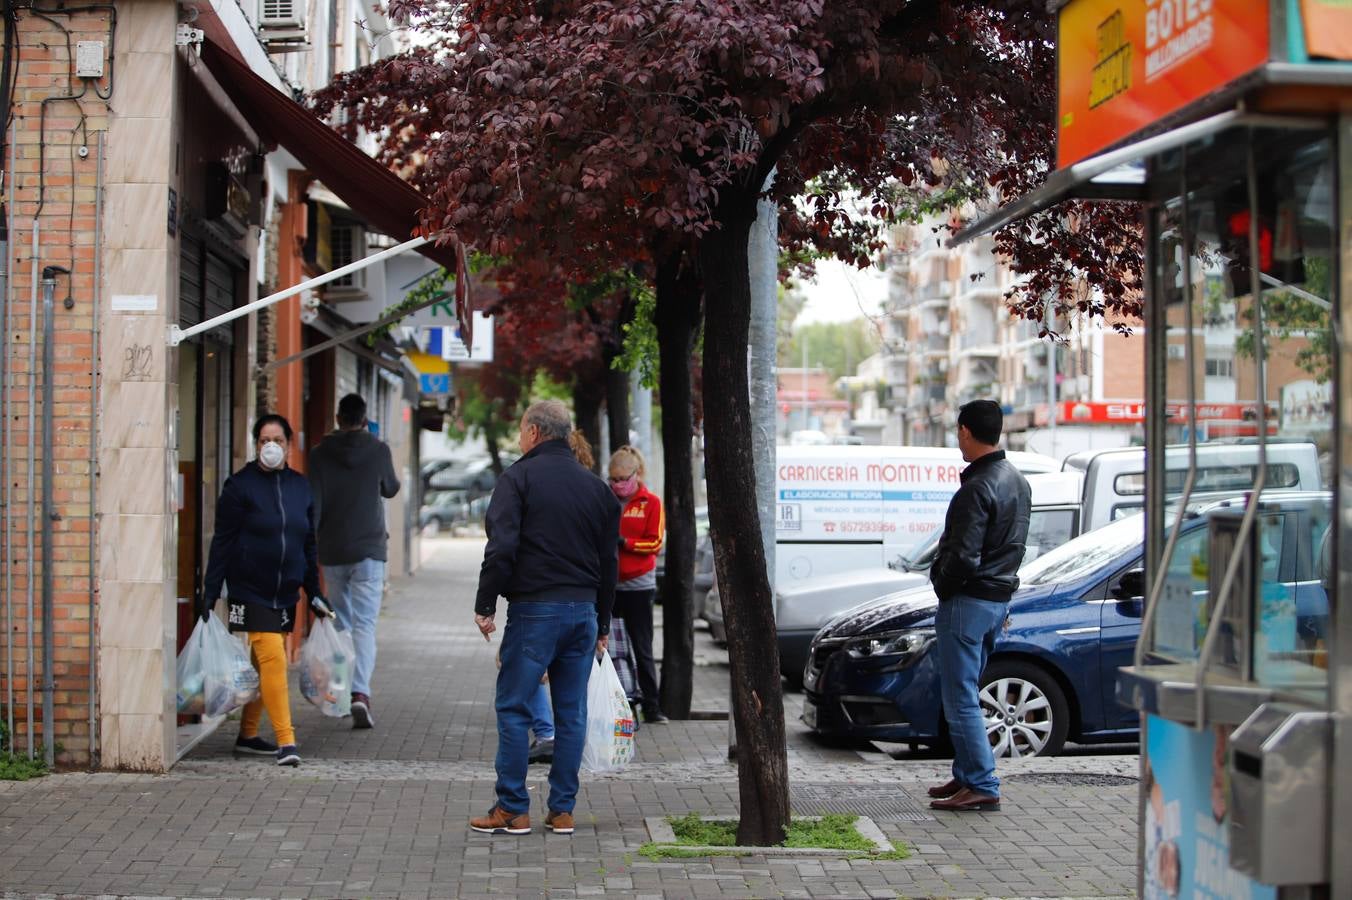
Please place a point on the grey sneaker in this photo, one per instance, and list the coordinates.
(362, 717)
(541, 751)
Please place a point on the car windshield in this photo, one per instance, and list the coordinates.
(921, 555)
(1081, 556)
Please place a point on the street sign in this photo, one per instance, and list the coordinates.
(445, 341)
(434, 385)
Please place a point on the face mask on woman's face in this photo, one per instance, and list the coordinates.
(626, 487)
(272, 455)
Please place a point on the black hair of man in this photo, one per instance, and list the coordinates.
(983, 419)
(351, 411)
(271, 419)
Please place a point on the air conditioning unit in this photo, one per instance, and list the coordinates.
(1177, 351)
(282, 15)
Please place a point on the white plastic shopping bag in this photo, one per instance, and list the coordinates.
(610, 721)
(326, 661)
(215, 675)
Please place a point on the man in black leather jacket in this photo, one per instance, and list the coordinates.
(974, 575)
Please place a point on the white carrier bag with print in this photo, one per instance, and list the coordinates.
(610, 721)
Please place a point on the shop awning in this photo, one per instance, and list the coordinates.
(1115, 175)
(387, 202)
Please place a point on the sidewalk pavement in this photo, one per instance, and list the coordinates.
(383, 813)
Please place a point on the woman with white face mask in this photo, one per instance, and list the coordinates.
(263, 551)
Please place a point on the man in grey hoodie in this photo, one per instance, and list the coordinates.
(351, 474)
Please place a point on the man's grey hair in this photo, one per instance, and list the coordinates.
(551, 417)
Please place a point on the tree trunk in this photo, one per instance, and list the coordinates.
(588, 394)
(617, 407)
(739, 554)
(677, 315)
(494, 452)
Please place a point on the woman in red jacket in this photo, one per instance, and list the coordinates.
(642, 530)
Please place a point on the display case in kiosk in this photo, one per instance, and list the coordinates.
(1229, 125)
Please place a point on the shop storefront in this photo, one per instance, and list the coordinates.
(1229, 123)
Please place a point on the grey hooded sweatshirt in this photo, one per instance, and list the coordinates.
(350, 471)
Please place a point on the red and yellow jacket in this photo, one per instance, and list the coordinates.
(643, 527)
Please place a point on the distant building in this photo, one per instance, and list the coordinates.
(808, 401)
(949, 339)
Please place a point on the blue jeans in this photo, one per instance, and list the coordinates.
(558, 638)
(354, 591)
(965, 630)
(542, 715)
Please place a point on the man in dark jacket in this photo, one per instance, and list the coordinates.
(352, 474)
(974, 575)
(553, 532)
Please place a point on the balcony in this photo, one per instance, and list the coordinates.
(978, 342)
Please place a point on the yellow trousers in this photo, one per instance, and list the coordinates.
(269, 658)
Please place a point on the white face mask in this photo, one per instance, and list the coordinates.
(272, 455)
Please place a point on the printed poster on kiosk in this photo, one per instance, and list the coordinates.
(1187, 840)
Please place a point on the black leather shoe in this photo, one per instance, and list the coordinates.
(653, 716)
(968, 800)
(945, 790)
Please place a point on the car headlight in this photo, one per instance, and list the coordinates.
(898, 648)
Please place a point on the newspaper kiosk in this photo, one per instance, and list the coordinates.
(1230, 122)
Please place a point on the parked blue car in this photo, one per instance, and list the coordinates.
(871, 672)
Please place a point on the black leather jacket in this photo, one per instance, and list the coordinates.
(984, 533)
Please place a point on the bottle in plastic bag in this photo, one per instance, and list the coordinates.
(326, 661)
(214, 673)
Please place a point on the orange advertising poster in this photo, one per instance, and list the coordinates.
(1122, 64)
(1328, 28)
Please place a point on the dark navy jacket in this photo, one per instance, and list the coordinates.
(553, 534)
(264, 545)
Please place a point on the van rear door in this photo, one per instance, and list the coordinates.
(829, 512)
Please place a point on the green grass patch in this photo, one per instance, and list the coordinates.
(20, 768)
(655, 852)
(834, 831)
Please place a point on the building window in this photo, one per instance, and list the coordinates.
(1220, 368)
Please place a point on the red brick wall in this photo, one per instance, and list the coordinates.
(67, 229)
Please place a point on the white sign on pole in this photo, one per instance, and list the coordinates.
(445, 341)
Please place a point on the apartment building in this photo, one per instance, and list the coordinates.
(950, 339)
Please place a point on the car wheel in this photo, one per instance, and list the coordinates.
(1025, 710)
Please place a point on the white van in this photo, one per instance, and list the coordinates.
(1114, 480)
(803, 607)
(842, 508)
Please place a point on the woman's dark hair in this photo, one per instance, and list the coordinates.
(271, 419)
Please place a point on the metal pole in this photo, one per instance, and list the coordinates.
(95, 312)
(763, 264)
(49, 516)
(8, 492)
(802, 339)
(32, 437)
(178, 335)
(1051, 376)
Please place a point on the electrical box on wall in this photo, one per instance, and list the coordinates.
(89, 59)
